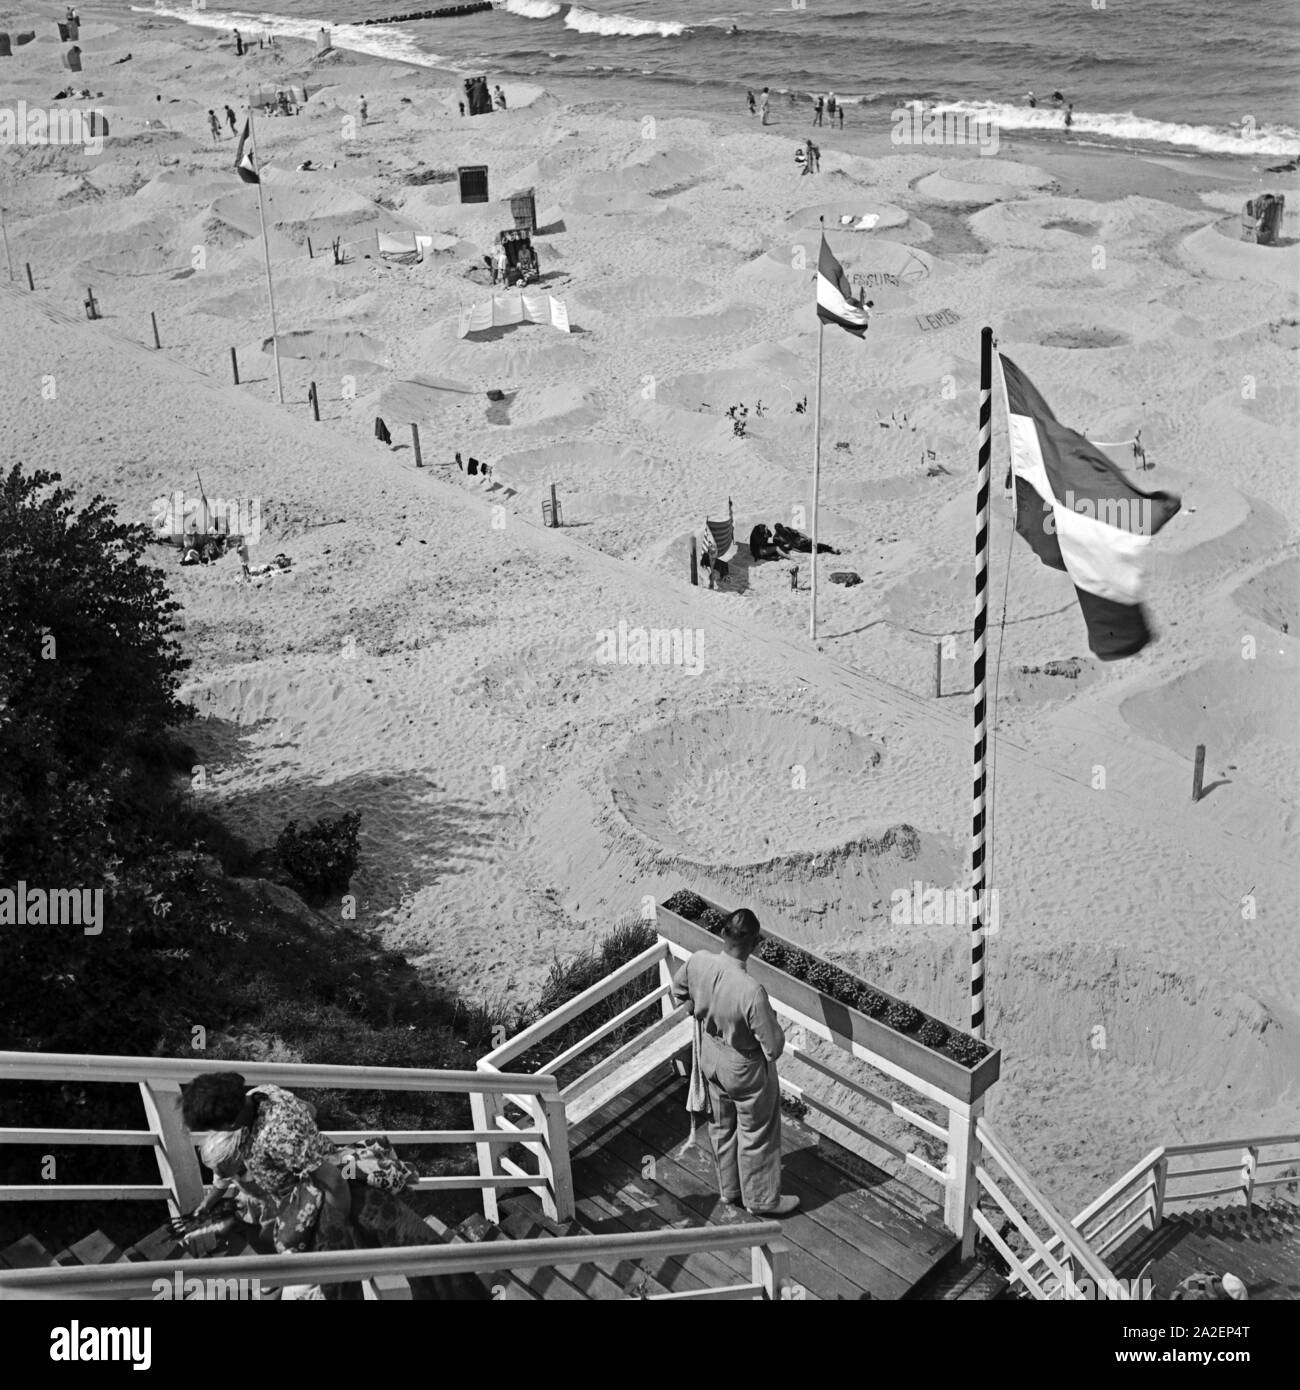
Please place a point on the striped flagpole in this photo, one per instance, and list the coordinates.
(978, 693)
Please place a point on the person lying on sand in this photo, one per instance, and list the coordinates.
(790, 539)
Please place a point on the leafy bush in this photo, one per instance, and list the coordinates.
(932, 1033)
(686, 904)
(902, 1017)
(323, 856)
(966, 1050)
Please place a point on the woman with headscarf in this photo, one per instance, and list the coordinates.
(298, 1192)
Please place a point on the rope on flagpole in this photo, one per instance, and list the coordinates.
(266, 251)
(979, 705)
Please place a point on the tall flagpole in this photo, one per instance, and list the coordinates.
(817, 467)
(266, 250)
(977, 856)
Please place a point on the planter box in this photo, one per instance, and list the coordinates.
(964, 1083)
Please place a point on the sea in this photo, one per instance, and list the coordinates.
(1181, 76)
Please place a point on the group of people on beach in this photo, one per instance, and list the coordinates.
(214, 123)
(825, 109)
(1057, 101)
(498, 100)
(828, 107)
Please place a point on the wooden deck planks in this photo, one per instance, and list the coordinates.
(823, 1260)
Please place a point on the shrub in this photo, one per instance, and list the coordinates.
(322, 857)
(686, 904)
(713, 919)
(966, 1050)
(902, 1017)
(933, 1033)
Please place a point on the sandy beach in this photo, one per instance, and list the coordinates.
(434, 656)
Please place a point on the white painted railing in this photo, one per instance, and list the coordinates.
(391, 1267)
(181, 1181)
(1137, 1201)
(668, 1037)
(1051, 1263)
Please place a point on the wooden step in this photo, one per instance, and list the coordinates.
(27, 1253)
(500, 1283)
(590, 1281)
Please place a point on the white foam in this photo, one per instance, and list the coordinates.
(609, 25)
(531, 9)
(376, 40)
(1269, 140)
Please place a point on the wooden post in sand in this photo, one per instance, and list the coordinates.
(1198, 772)
(555, 508)
(695, 565)
(938, 667)
(311, 255)
(314, 398)
(31, 284)
(415, 442)
(153, 319)
(92, 309)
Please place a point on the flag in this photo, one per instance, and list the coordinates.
(1079, 514)
(835, 302)
(244, 164)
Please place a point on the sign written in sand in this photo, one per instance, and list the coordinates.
(945, 318)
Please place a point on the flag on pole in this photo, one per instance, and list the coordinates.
(245, 166)
(835, 302)
(1079, 514)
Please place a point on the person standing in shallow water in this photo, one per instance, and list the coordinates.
(740, 1043)
(763, 103)
(753, 105)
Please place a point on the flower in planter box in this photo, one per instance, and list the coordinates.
(933, 1033)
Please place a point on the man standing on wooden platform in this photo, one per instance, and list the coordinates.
(741, 1043)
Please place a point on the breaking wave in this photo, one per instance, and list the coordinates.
(611, 25)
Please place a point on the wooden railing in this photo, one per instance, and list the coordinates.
(389, 1268)
(1051, 1264)
(668, 1038)
(181, 1180)
(1137, 1201)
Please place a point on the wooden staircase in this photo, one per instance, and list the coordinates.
(1260, 1245)
(94, 1249)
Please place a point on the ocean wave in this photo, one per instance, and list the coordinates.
(377, 41)
(531, 9)
(1268, 141)
(620, 25)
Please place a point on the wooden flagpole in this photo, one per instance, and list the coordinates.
(979, 705)
(817, 466)
(266, 251)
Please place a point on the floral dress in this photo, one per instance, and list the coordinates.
(282, 1148)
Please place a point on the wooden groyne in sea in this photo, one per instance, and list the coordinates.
(447, 12)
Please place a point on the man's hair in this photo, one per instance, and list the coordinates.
(214, 1100)
(740, 927)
